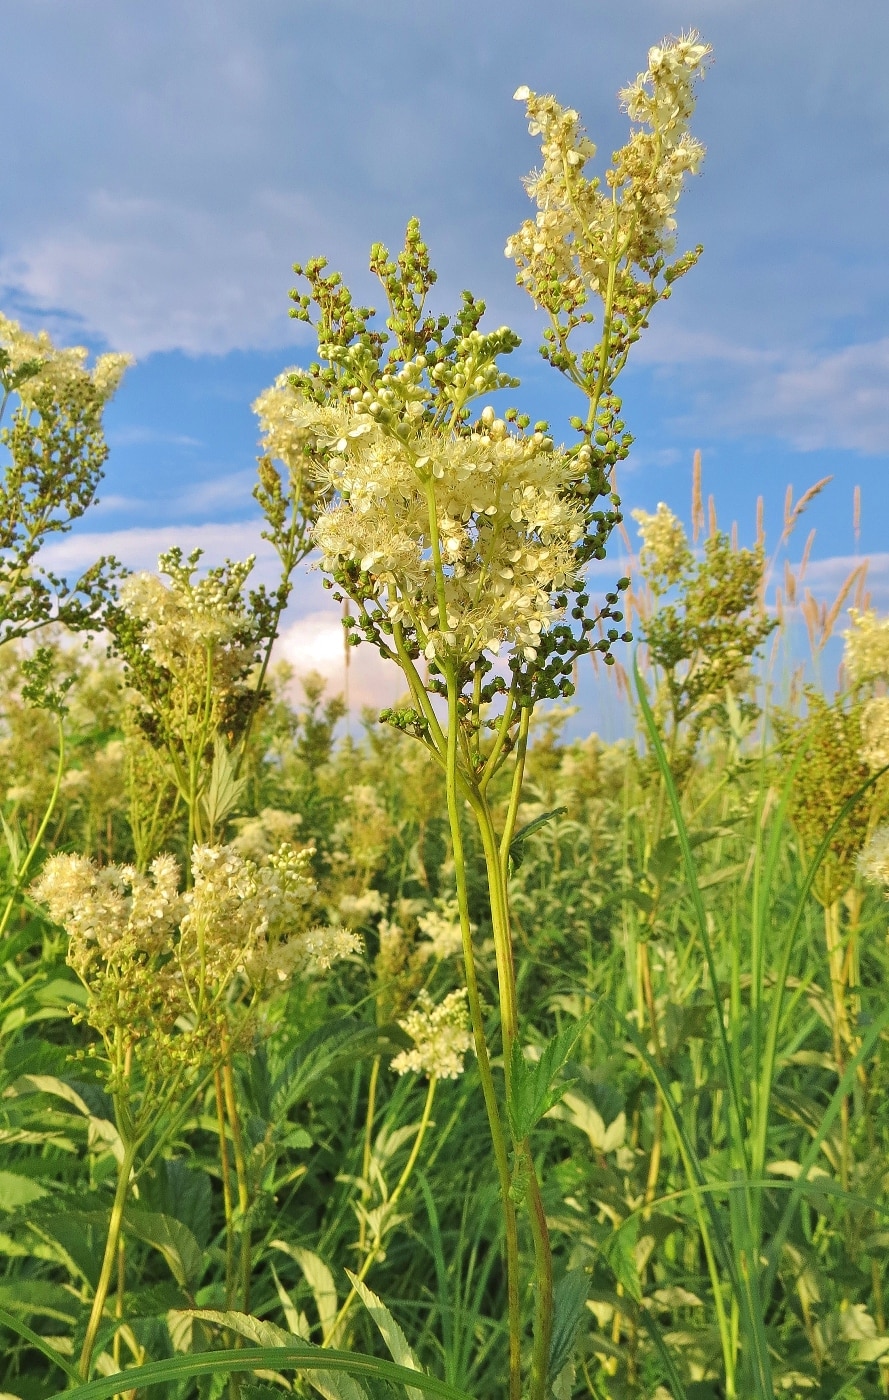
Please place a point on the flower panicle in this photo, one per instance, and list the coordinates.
(441, 1037)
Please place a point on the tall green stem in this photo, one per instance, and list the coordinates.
(496, 855)
(109, 1259)
(495, 1124)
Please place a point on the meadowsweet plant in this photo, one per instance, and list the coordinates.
(703, 629)
(52, 450)
(197, 650)
(461, 536)
(55, 450)
(173, 981)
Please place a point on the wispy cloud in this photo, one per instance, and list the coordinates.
(835, 398)
(138, 548)
(137, 435)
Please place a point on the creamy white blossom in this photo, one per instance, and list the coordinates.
(665, 554)
(873, 861)
(441, 1037)
(55, 366)
(866, 654)
(580, 228)
(151, 956)
(875, 732)
(508, 515)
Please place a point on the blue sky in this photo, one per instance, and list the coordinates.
(167, 160)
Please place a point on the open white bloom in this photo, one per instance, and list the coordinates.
(866, 655)
(150, 956)
(579, 227)
(441, 1037)
(190, 616)
(443, 937)
(875, 732)
(508, 513)
(665, 554)
(58, 367)
(111, 911)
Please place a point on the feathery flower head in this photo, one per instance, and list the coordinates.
(875, 732)
(440, 1034)
(509, 517)
(567, 249)
(873, 861)
(866, 655)
(188, 614)
(61, 369)
(171, 970)
(665, 554)
(443, 937)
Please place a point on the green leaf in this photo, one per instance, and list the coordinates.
(664, 858)
(517, 844)
(569, 1308)
(396, 1341)
(18, 1190)
(533, 1091)
(174, 1241)
(38, 1297)
(320, 1280)
(41, 1345)
(302, 1357)
(328, 1383)
(225, 788)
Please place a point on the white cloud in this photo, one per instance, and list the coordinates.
(832, 399)
(151, 273)
(315, 643)
(138, 548)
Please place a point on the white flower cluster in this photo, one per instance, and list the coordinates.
(866, 655)
(873, 861)
(508, 512)
(57, 367)
(875, 732)
(580, 230)
(443, 937)
(190, 616)
(290, 424)
(150, 955)
(259, 836)
(112, 910)
(441, 1037)
(665, 554)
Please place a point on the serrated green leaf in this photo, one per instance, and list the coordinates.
(320, 1281)
(396, 1341)
(533, 1088)
(174, 1240)
(569, 1308)
(224, 788)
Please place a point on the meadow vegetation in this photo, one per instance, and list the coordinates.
(458, 1058)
